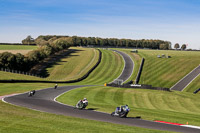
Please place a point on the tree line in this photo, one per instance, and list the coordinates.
(104, 42)
(26, 62)
(48, 45)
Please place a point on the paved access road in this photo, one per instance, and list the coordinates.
(182, 84)
(43, 100)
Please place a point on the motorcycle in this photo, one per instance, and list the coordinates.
(82, 104)
(121, 112)
(31, 93)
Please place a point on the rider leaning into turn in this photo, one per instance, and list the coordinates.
(84, 101)
(121, 108)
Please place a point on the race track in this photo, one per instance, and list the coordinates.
(128, 68)
(184, 82)
(44, 100)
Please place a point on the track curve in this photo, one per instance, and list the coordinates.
(44, 100)
(128, 67)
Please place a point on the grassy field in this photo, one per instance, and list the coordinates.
(165, 72)
(8, 76)
(17, 47)
(18, 119)
(75, 65)
(177, 107)
(70, 67)
(180, 107)
(193, 86)
(109, 69)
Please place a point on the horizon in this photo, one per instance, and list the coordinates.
(176, 21)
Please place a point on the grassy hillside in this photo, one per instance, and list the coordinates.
(151, 105)
(8, 76)
(72, 66)
(109, 69)
(75, 65)
(193, 86)
(17, 119)
(178, 107)
(165, 72)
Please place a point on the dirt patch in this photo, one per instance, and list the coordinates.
(16, 51)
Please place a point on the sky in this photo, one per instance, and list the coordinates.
(177, 21)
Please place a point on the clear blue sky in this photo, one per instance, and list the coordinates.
(177, 21)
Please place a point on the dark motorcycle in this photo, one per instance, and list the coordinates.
(31, 93)
(121, 112)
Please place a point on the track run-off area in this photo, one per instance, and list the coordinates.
(45, 100)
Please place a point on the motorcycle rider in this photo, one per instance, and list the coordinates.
(83, 102)
(31, 93)
(121, 109)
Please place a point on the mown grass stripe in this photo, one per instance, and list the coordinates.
(149, 104)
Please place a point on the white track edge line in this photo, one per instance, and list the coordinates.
(190, 82)
(184, 77)
(124, 66)
(70, 105)
(191, 126)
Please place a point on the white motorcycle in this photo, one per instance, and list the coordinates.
(82, 104)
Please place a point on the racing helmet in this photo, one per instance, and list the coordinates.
(84, 98)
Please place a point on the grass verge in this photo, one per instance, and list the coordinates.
(165, 72)
(149, 104)
(21, 120)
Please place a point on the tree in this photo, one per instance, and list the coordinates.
(164, 46)
(183, 47)
(29, 40)
(176, 46)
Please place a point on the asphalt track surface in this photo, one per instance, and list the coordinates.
(44, 100)
(128, 68)
(184, 82)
